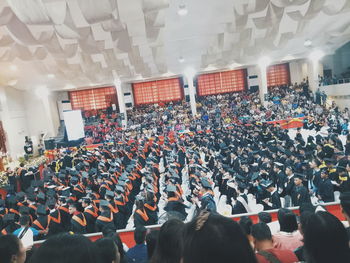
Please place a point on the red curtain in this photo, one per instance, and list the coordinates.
(93, 99)
(222, 82)
(278, 75)
(152, 92)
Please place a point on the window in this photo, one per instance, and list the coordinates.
(278, 75)
(93, 99)
(222, 82)
(158, 91)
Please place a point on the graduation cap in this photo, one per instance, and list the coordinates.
(51, 202)
(255, 176)
(171, 188)
(242, 184)
(24, 210)
(92, 171)
(328, 160)
(41, 210)
(50, 193)
(104, 203)
(2, 203)
(140, 198)
(121, 183)
(205, 183)
(104, 175)
(267, 183)
(109, 193)
(119, 188)
(74, 180)
(150, 189)
(278, 164)
(240, 178)
(85, 175)
(20, 196)
(41, 196)
(62, 176)
(9, 218)
(65, 192)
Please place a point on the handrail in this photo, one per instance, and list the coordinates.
(335, 82)
(234, 217)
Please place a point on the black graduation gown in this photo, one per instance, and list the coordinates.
(55, 225)
(275, 201)
(90, 215)
(104, 220)
(178, 207)
(300, 196)
(239, 207)
(208, 203)
(78, 224)
(152, 211)
(325, 190)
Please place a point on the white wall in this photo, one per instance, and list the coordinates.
(339, 93)
(13, 116)
(24, 114)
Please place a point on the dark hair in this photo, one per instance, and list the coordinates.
(306, 207)
(107, 250)
(55, 250)
(264, 217)
(325, 239)
(170, 242)
(215, 238)
(151, 241)
(115, 237)
(287, 220)
(246, 223)
(24, 220)
(261, 232)
(9, 246)
(345, 202)
(140, 234)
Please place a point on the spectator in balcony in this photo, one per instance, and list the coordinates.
(288, 237)
(325, 239)
(66, 248)
(263, 244)
(170, 242)
(214, 238)
(107, 251)
(12, 250)
(138, 253)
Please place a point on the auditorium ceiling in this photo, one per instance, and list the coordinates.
(81, 43)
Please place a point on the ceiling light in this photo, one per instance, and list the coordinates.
(42, 92)
(316, 55)
(181, 59)
(182, 10)
(264, 62)
(307, 43)
(13, 67)
(50, 76)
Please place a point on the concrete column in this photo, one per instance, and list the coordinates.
(190, 77)
(121, 102)
(313, 72)
(262, 84)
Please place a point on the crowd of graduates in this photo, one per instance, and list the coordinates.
(169, 164)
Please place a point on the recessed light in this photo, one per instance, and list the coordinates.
(13, 67)
(182, 10)
(307, 43)
(181, 59)
(50, 76)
